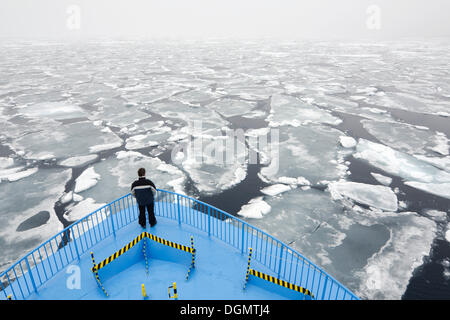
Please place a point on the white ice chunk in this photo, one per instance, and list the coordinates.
(230, 108)
(382, 179)
(372, 195)
(286, 110)
(403, 137)
(441, 144)
(86, 180)
(53, 110)
(139, 142)
(388, 272)
(82, 209)
(439, 189)
(65, 141)
(256, 209)
(441, 163)
(347, 142)
(311, 152)
(78, 161)
(275, 189)
(21, 174)
(399, 164)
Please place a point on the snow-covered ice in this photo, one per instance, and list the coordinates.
(275, 189)
(382, 179)
(418, 174)
(86, 180)
(312, 152)
(255, 209)
(347, 142)
(78, 161)
(286, 110)
(376, 196)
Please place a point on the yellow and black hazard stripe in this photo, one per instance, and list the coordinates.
(94, 270)
(120, 252)
(145, 257)
(175, 294)
(169, 243)
(248, 267)
(281, 282)
(193, 258)
(136, 241)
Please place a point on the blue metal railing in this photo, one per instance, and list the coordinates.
(29, 273)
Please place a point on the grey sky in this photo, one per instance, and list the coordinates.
(317, 19)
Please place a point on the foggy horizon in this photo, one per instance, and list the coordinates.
(214, 19)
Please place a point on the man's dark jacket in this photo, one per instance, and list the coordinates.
(143, 190)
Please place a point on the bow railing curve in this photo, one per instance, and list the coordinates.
(29, 273)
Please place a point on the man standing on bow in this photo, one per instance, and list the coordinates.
(143, 189)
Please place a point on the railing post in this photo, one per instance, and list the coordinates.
(112, 220)
(209, 221)
(242, 238)
(324, 287)
(31, 275)
(281, 259)
(75, 243)
(178, 207)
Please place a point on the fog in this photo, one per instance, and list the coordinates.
(313, 19)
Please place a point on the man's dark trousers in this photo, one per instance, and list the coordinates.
(150, 212)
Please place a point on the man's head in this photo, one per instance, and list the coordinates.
(141, 172)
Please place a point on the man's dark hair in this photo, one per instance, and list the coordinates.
(141, 172)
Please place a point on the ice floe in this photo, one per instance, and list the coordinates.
(41, 191)
(418, 174)
(78, 161)
(286, 110)
(86, 180)
(275, 189)
(64, 141)
(255, 209)
(381, 178)
(407, 138)
(53, 110)
(82, 209)
(347, 142)
(311, 152)
(118, 173)
(376, 196)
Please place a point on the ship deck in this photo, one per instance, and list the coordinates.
(219, 272)
(202, 249)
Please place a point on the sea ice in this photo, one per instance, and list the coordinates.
(311, 152)
(78, 161)
(229, 107)
(65, 141)
(439, 189)
(255, 209)
(286, 110)
(347, 142)
(407, 138)
(21, 174)
(27, 197)
(399, 164)
(52, 110)
(212, 166)
(119, 172)
(86, 180)
(82, 208)
(382, 179)
(376, 196)
(388, 272)
(275, 189)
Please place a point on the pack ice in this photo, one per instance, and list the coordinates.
(416, 173)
